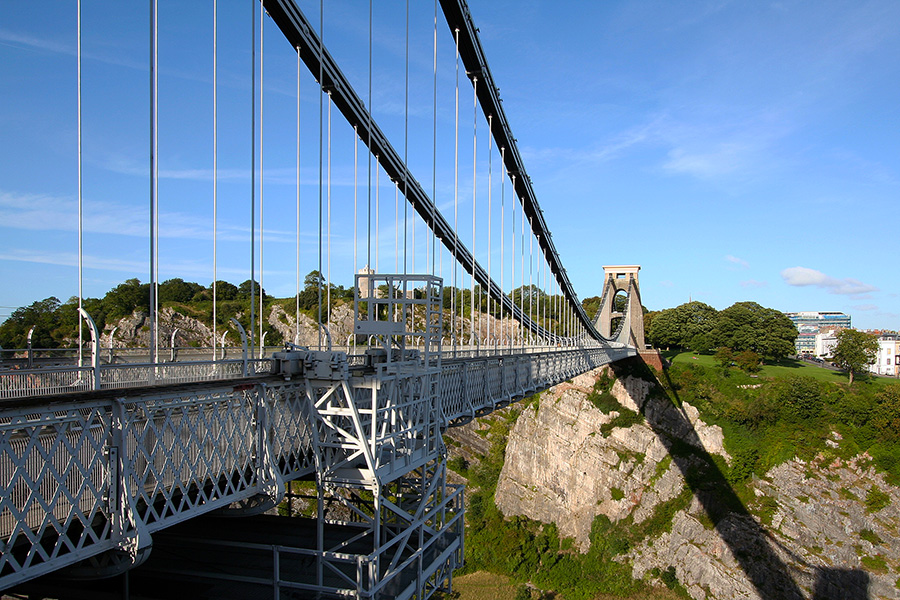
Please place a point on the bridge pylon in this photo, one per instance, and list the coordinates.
(621, 318)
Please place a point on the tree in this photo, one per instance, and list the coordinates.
(724, 356)
(748, 360)
(685, 326)
(309, 295)
(751, 327)
(225, 291)
(41, 315)
(178, 290)
(591, 306)
(886, 417)
(245, 288)
(854, 351)
(125, 298)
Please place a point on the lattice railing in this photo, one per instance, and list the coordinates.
(475, 385)
(54, 506)
(80, 479)
(24, 383)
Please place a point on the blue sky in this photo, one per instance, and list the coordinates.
(736, 150)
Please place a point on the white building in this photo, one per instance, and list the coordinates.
(825, 343)
(888, 355)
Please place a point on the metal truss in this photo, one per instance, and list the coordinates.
(85, 484)
(380, 457)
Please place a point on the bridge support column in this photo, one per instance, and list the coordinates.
(621, 317)
(380, 457)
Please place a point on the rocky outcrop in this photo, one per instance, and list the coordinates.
(817, 525)
(560, 468)
(824, 529)
(134, 331)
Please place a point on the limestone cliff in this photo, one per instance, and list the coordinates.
(806, 532)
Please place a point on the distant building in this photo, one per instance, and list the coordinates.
(824, 342)
(888, 355)
(811, 323)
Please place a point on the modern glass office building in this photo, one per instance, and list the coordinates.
(810, 323)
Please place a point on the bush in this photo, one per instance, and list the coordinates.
(799, 397)
(876, 500)
(749, 361)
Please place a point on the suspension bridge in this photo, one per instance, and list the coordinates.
(105, 451)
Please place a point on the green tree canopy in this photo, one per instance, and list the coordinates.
(178, 290)
(41, 315)
(127, 297)
(245, 288)
(854, 351)
(225, 291)
(749, 326)
(685, 326)
(591, 306)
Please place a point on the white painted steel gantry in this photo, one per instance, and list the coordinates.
(97, 458)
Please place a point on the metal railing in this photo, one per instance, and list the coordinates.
(24, 383)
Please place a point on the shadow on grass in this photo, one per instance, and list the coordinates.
(758, 553)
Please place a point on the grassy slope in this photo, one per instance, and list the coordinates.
(781, 369)
(489, 586)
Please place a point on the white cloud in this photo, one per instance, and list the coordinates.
(724, 159)
(802, 276)
(45, 212)
(740, 262)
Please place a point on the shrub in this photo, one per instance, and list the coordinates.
(800, 397)
(523, 593)
(876, 564)
(876, 499)
(871, 537)
(749, 361)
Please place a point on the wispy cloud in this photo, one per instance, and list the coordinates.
(753, 284)
(185, 268)
(802, 276)
(865, 307)
(13, 38)
(44, 212)
(738, 262)
(722, 159)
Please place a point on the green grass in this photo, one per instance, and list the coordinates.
(871, 537)
(482, 585)
(783, 368)
(876, 564)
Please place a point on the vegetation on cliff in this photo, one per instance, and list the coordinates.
(766, 421)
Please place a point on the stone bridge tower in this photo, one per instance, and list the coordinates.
(630, 330)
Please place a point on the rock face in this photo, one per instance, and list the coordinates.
(808, 534)
(559, 466)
